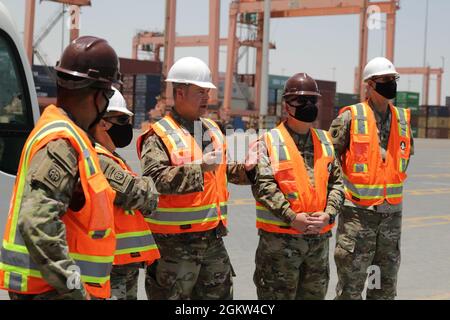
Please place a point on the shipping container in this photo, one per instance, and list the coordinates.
(436, 111)
(422, 122)
(407, 98)
(442, 123)
(45, 83)
(437, 133)
(346, 99)
(432, 122)
(326, 103)
(414, 120)
(422, 133)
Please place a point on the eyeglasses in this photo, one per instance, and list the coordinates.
(385, 79)
(299, 101)
(119, 120)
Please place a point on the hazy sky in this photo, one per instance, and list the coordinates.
(315, 45)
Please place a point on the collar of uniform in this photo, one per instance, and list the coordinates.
(300, 139)
(380, 117)
(187, 124)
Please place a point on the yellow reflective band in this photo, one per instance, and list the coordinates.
(278, 146)
(140, 249)
(83, 257)
(177, 223)
(133, 234)
(24, 271)
(325, 141)
(15, 247)
(361, 126)
(100, 280)
(189, 209)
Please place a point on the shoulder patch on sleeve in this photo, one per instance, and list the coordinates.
(64, 155)
(119, 180)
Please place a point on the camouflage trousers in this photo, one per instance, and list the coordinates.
(292, 267)
(192, 266)
(367, 240)
(124, 281)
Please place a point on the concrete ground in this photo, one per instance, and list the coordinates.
(425, 268)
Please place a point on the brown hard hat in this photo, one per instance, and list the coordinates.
(301, 84)
(88, 62)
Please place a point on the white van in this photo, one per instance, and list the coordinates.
(19, 108)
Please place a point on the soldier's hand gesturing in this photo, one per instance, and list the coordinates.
(211, 161)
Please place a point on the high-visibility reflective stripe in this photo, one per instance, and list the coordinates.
(48, 129)
(373, 192)
(394, 191)
(279, 146)
(403, 164)
(360, 167)
(24, 271)
(184, 216)
(17, 259)
(402, 123)
(16, 282)
(364, 191)
(135, 242)
(361, 126)
(216, 131)
(265, 216)
(172, 133)
(94, 270)
(97, 269)
(326, 143)
(223, 209)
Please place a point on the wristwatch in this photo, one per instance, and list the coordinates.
(332, 218)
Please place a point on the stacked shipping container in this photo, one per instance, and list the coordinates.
(434, 122)
(410, 100)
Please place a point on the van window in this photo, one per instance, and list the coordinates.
(16, 120)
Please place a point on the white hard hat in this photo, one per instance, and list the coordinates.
(118, 103)
(379, 66)
(191, 70)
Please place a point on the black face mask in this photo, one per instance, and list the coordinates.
(121, 135)
(306, 113)
(387, 90)
(99, 114)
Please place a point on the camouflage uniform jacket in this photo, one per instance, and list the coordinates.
(340, 134)
(46, 199)
(266, 190)
(188, 178)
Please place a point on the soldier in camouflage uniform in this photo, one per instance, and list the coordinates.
(193, 265)
(115, 131)
(369, 235)
(292, 256)
(52, 183)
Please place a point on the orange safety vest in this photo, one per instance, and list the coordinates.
(292, 178)
(196, 211)
(89, 232)
(135, 242)
(368, 179)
